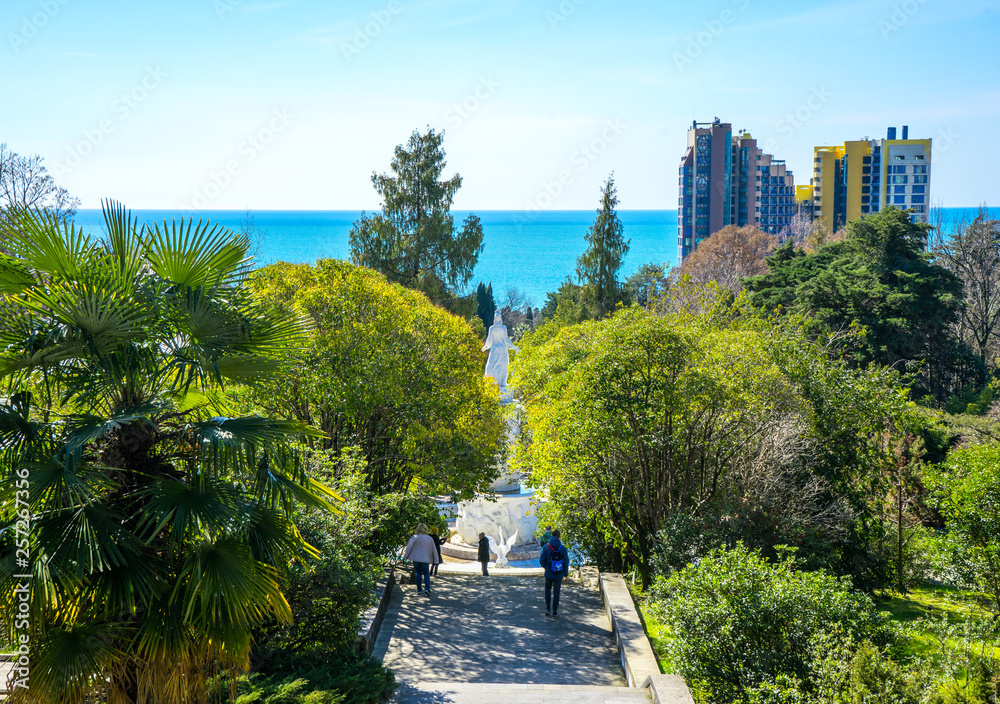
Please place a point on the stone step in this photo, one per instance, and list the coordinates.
(486, 693)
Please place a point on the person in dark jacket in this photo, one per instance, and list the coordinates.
(437, 544)
(484, 552)
(555, 560)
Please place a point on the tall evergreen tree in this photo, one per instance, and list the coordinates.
(597, 268)
(413, 239)
(485, 306)
(879, 278)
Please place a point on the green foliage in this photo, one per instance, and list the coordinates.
(881, 280)
(389, 373)
(485, 305)
(413, 239)
(741, 625)
(648, 284)
(566, 306)
(352, 679)
(967, 488)
(161, 527)
(972, 400)
(641, 417)
(597, 268)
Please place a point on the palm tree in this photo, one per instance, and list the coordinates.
(159, 528)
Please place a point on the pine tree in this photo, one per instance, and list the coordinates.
(413, 240)
(597, 268)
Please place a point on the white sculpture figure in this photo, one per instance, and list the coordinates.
(498, 343)
(502, 548)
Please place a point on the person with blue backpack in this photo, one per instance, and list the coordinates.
(555, 560)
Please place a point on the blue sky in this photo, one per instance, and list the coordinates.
(217, 104)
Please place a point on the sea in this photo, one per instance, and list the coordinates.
(530, 250)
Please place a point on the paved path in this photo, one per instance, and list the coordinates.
(486, 634)
(462, 693)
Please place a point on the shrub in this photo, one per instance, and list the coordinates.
(742, 626)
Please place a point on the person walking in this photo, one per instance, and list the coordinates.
(422, 551)
(437, 545)
(555, 560)
(484, 552)
(545, 536)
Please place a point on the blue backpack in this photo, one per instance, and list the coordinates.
(557, 563)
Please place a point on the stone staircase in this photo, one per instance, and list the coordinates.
(485, 693)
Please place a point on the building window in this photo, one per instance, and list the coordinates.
(919, 189)
(899, 179)
(916, 199)
(919, 179)
(899, 189)
(919, 157)
(920, 169)
(899, 157)
(897, 169)
(899, 200)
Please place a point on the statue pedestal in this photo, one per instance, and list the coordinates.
(514, 513)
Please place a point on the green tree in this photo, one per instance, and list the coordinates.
(648, 284)
(158, 526)
(597, 268)
(639, 418)
(967, 487)
(413, 239)
(880, 279)
(389, 373)
(740, 623)
(485, 305)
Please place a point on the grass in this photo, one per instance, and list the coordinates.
(929, 603)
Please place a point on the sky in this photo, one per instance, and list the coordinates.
(293, 104)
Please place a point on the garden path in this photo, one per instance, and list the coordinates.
(485, 639)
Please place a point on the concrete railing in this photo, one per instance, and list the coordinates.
(371, 620)
(638, 659)
(668, 689)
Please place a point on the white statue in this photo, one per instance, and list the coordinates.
(502, 548)
(498, 343)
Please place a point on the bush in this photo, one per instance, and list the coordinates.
(743, 628)
(311, 679)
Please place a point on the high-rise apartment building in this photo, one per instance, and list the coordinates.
(866, 175)
(728, 180)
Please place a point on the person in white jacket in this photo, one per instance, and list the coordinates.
(422, 552)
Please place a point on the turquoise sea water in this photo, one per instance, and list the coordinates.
(533, 251)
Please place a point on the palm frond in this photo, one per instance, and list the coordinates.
(273, 538)
(85, 538)
(205, 255)
(99, 318)
(87, 428)
(14, 275)
(226, 592)
(126, 242)
(75, 658)
(45, 243)
(201, 507)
